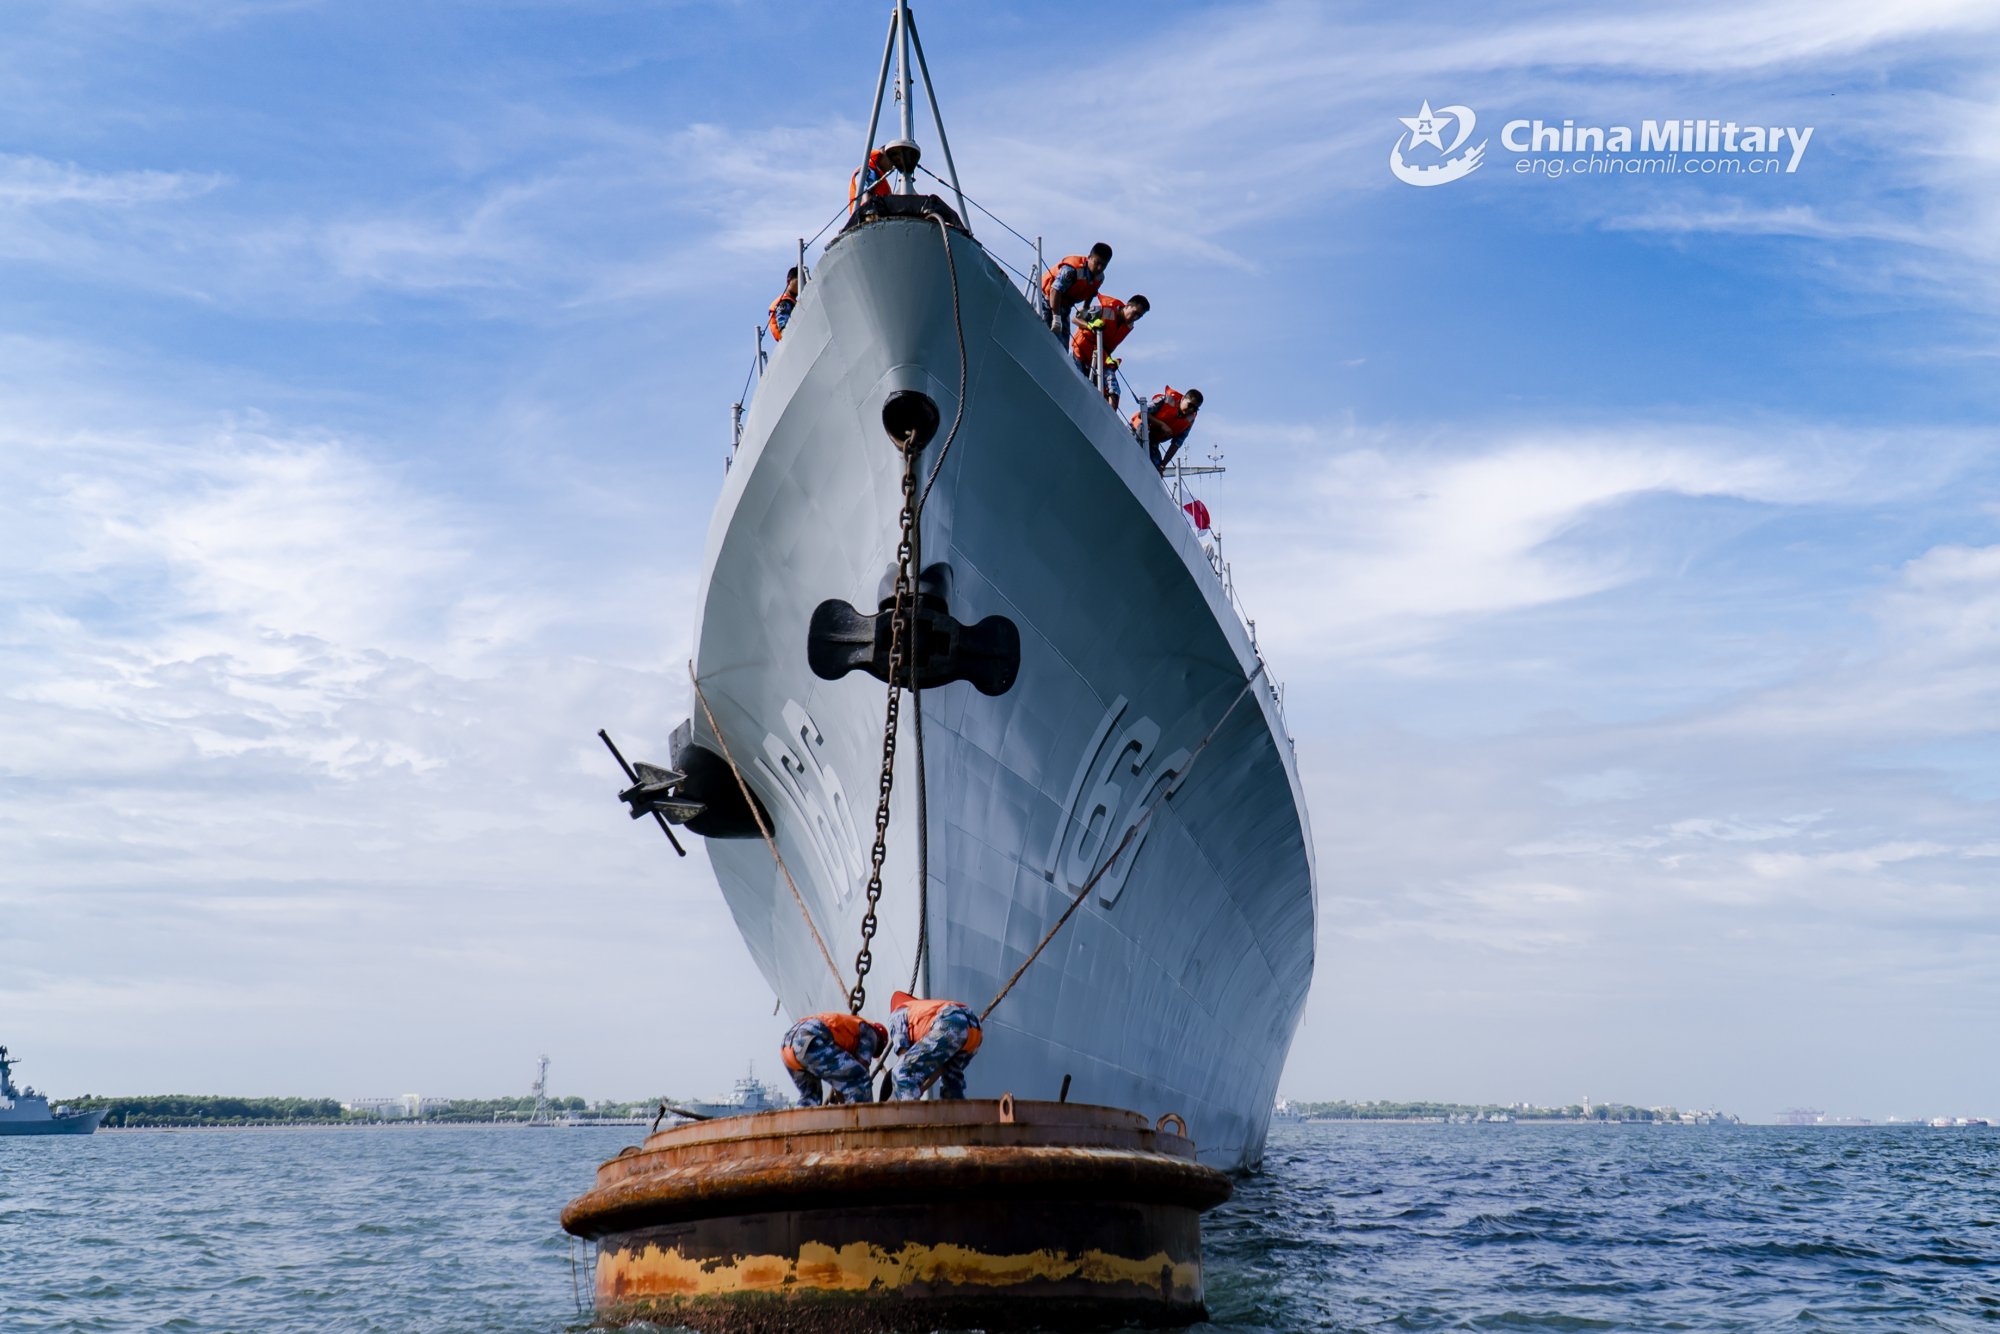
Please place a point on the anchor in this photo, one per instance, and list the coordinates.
(655, 791)
(841, 639)
(698, 793)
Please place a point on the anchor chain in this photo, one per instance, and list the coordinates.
(905, 586)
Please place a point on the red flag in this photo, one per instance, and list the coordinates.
(1199, 513)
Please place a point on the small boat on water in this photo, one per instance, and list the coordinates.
(26, 1112)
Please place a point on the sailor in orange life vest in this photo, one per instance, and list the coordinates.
(934, 1038)
(875, 181)
(833, 1048)
(1115, 318)
(1071, 280)
(781, 309)
(1169, 418)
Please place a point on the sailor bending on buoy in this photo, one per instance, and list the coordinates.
(935, 1038)
(832, 1049)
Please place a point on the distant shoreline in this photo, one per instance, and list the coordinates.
(1446, 1121)
(381, 1125)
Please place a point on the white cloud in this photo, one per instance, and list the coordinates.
(279, 726)
(1932, 673)
(1947, 602)
(1702, 39)
(27, 181)
(1401, 543)
(1861, 861)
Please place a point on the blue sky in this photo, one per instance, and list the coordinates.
(1626, 544)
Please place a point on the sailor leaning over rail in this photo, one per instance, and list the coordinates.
(781, 309)
(936, 1040)
(1111, 320)
(1073, 280)
(1169, 417)
(832, 1050)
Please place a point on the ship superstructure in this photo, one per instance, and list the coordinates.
(26, 1112)
(1092, 710)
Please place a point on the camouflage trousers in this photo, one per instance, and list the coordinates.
(822, 1061)
(939, 1052)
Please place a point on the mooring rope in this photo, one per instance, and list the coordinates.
(1119, 851)
(757, 813)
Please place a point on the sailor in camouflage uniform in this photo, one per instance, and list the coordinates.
(933, 1037)
(832, 1049)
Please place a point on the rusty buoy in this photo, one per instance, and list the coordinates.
(903, 1216)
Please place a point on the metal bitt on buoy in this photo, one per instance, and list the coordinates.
(903, 1216)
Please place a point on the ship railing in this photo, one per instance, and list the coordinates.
(1175, 481)
(760, 358)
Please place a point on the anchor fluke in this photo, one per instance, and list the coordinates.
(654, 791)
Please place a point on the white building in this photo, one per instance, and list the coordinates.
(407, 1107)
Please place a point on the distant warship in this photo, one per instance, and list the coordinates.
(751, 1095)
(26, 1112)
(1080, 648)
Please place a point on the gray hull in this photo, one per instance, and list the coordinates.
(1178, 987)
(75, 1123)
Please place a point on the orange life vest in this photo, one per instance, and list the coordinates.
(777, 333)
(1085, 285)
(1166, 410)
(1083, 343)
(924, 1013)
(877, 164)
(845, 1030)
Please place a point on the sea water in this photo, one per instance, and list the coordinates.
(1348, 1227)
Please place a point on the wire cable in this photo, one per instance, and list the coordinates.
(976, 204)
(842, 213)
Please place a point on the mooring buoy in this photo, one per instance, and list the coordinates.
(903, 1216)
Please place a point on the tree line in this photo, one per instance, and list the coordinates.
(210, 1109)
(1445, 1111)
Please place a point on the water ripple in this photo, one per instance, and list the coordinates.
(1348, 1228)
